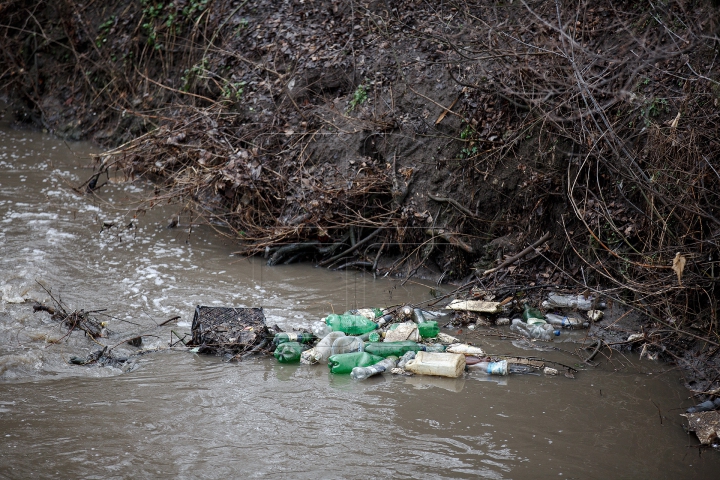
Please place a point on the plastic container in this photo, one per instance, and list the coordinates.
(361, 373)
(374, 337)
(398, 349)
(572, 301)
(288, 352)
(441, 364)
(323, 350)
(565, 322)
(418, 316)
(428, 329)
(347, 345)
(284, 337)
(407, 356)
(345, 362)
(350, 324)
(491, 368)
(465, 349)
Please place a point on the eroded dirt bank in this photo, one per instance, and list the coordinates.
(413, 138)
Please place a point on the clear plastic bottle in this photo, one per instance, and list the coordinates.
(543, 331)
(361, 373)
(565, 322)
(491, 368)
(347, 345)
(323, 350)
(437, 348)
(320, 329)
(572, 301)
(418, 316)
(407, 356)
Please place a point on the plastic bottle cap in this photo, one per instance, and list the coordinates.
(557, 333)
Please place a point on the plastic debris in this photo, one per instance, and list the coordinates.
(550, 371)
(475, 306)
(350, 324)
(386, 349)
(542, 331)
(288, 352)
(428, 329)
(403, 331)
(595, 315)
(440, 364)
(446, 339)
(465, 349)
(345, 362)
(491, 368)
(347, 345)
(407, 356)
(581, 302)
(361, 373)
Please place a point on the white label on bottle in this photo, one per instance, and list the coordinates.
(292, 337)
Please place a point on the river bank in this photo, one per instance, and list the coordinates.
(401, 139)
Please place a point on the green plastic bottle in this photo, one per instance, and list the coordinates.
(288, 352)
(532, 315)
(350, 324)
(345, 362)
(284, 337)
(386, 349)
(429, 329)
(373, 337)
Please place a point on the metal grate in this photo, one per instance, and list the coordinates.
(228, 330)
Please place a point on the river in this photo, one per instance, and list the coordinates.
(174, 414)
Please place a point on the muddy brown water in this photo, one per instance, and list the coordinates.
(180, 415)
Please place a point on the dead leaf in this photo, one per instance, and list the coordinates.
(679, 265)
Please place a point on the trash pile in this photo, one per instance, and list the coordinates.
(369, 342)
(532, 323)
(401, 341)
